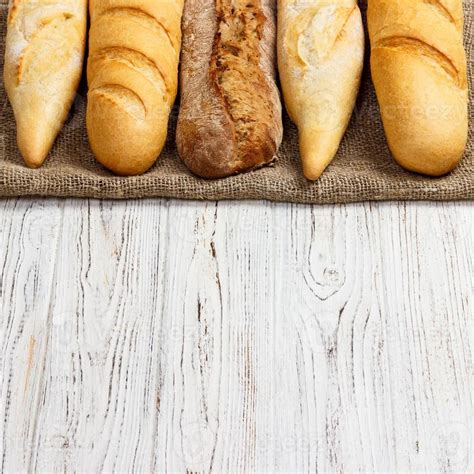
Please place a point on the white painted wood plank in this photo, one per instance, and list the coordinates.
(28, 242)
(259, 337)
(318, 344)
(101, 390)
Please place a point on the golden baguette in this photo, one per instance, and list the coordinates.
(320, 58)
(419, 71)
(43, 65)
(132, 75)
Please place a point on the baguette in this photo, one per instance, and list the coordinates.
(419, 71)
(320, 59)
(43, 64)
(132, 75)
(230, 115)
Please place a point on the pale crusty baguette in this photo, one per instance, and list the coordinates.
(320, 59)
(419, 71)
(132, 74)
(43, 64)
(230, 112)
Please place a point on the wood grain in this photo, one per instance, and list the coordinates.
(28, 251)
(236, 336)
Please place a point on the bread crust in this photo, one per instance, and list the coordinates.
(43, 65)
(320, 58)
(419, 71)
(132, 75)
(230, 112)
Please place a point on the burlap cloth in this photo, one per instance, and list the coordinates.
(363, 169)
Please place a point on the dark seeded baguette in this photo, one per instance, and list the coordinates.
(230, 111)
(132, 73)
(419, 72)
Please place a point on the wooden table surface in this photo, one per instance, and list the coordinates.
(236, 336)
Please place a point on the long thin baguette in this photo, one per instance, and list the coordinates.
(43, 64)
(132, 74)
(320, 58)
(230, 114)
(419, 72)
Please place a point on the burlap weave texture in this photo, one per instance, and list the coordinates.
(363, 169)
